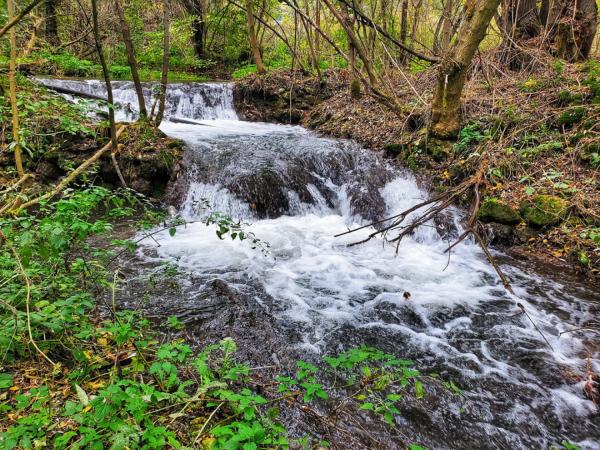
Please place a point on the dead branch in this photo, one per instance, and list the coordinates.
(435, 205)
(70, 178)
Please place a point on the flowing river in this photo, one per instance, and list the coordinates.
(296, 190)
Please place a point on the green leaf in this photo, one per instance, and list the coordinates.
(172, 231)
(368, 406)
(6, 380)
(419, 389)
(83, 397)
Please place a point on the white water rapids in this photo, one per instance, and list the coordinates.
(459, 317)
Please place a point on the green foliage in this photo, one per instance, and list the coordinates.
(244, 71)
(472, 133)
(69, 65)
(47, 120)
(43, 244)
(592, 80)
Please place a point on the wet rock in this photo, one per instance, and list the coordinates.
(500, 234)
(544, 210)
(495, 210)
(264, 191)
(393, 150)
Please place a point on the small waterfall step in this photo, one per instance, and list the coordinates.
(187, 101)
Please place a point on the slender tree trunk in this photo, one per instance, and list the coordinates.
(404, 29)
(51, 30)
(165, 64)
(318, 22)
(131, 59)
(354, 42)
(109, 92)
(12, 86)
(452, 72)
(571, 27)
(252, 37)
(197, 9)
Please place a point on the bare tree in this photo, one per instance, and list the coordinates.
(109, 92)
(12, 86)
(131, 58)
(165, 64)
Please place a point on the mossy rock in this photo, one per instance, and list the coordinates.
(495, 210)
(440, 149)
(544, 210)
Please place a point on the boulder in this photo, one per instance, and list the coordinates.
(544, 210)
(495, 210)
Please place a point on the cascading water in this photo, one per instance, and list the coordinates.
(298, 190)
(185, 100)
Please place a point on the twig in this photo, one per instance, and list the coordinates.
(27, 296)
(520, 305)
(206, 423)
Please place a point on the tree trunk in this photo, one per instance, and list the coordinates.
(165, 64)
(404, 29)
(452, 72)
(51, 30)
(571, 27)
(197, 9)
(109, 92)
(131, 59)
(252, 37)
(12, 86)
(520, 20)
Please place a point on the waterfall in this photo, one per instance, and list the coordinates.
(194, 101)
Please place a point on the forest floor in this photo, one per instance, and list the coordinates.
(536, 131)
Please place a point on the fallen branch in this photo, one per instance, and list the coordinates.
(70, 178)
(436, 205)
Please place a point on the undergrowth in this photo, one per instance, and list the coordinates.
(77, 372)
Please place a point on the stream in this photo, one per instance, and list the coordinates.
(308, 293)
